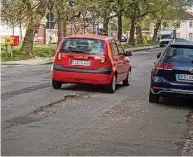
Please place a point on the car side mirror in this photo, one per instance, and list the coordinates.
(128, 53)
(159, 55)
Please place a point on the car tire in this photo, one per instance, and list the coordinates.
(112, 86)
(56, 84)
(153, 98)
(126, 82)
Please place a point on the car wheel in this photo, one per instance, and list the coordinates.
(112, 86)
(126, 82)
(153, 98)
(56, 84)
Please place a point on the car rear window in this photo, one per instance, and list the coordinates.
(167, 36)
(83, 45)
(180, 54)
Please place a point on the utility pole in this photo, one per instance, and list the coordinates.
(50, 18)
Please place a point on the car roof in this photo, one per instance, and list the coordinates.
(100, 37)
(189, 43)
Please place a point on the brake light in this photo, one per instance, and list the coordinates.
(102, 59)
(59, 56)
(105, 59)
(164, 66)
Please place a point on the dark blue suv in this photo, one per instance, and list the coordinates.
(173, 72)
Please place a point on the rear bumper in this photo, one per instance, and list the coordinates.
(174, 92)
(87, 76)
(160, 86)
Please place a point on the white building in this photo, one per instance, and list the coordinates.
(185, 29)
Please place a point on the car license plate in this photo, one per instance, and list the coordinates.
(185, 77)
(80, 62)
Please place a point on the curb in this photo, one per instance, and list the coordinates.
(142, 48)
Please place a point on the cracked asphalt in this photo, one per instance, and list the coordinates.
(84, 120)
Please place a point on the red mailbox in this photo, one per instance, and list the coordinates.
(15, 40)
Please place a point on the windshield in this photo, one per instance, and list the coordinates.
(167, 36)
(179, 54)
(83, 45)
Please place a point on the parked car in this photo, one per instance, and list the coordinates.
(98, 60)
(177, 40)
(173, 72)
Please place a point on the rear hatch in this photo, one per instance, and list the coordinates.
(83, 53)
(178, 63)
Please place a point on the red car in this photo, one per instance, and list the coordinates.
(98, 60)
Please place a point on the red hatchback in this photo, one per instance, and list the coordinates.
(99, 60)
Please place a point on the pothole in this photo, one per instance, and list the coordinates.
(44, 111)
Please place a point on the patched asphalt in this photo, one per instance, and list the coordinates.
(84, 120)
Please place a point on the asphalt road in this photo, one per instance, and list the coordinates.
(84, 120)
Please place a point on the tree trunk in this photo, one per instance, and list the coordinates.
(61, 23)
(62, 20)
(132, 32)
(105, 26)
(32, 28)
(139, 34)
(157, 26)
(119, 34)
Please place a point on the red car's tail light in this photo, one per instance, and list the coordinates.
(102, 59)
(59, 57)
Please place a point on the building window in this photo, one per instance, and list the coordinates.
(190, 36)
(190, 24)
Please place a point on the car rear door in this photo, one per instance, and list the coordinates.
(78, 58)
(116, 58)
(124, 63)
(178, 66)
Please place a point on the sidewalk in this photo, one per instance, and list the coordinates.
(40, 60)
(33, 61)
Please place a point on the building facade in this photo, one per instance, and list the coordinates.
(185, 29)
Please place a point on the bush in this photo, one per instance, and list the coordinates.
(39, 51)
(147, 40)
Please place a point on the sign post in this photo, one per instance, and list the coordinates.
(50, 18)
(12, 41)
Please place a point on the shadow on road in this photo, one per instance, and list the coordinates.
(88, 88)
(177, 102)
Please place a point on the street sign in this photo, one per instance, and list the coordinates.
(9, 41)
(51, 24)
(50, 16)
(15, 40)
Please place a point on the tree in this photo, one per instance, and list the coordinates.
(35, 12)
(62, 14)
(13, 13)
(174, 11)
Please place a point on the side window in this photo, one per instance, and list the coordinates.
(114, 48)
(120, 48)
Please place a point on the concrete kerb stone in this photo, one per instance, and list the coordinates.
(141, 48)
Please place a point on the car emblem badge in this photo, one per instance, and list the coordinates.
(191, 70)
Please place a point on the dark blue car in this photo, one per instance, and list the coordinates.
(173, 72)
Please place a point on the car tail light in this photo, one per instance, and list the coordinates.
(59, 57)
(102, 59)
(105, 59)
(164, 66)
